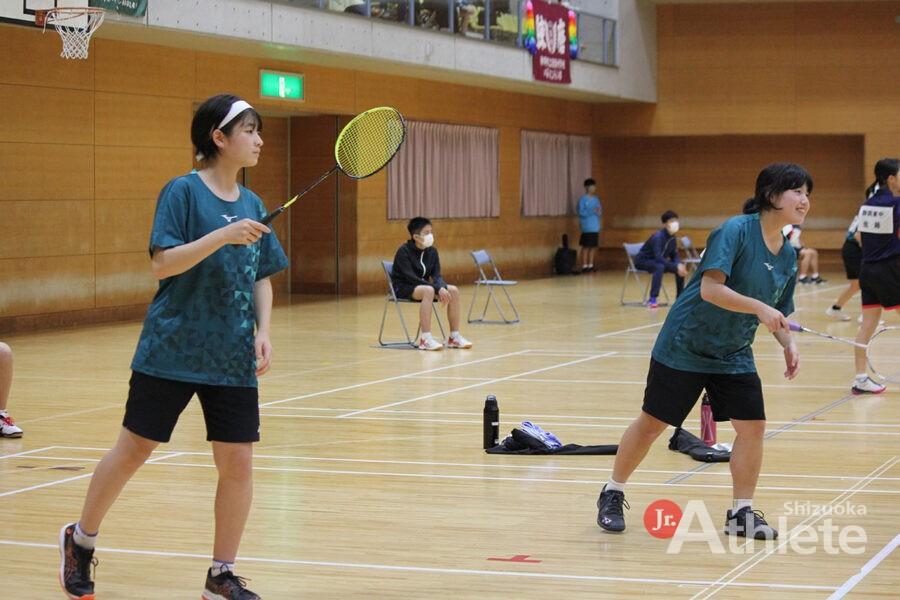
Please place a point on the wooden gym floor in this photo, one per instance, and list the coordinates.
(370, 480)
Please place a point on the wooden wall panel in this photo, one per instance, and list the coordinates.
(136, 120)
(137, 173)
(31, 58)
(30, 286)
(47, 228)
(46, 115)
(123, 225)
(149, 70)
(124, 279)
(46, 172)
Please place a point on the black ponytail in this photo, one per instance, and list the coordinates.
(773, 180)
(884, 168)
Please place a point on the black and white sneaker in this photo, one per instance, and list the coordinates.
(609, 505)
(748, 523)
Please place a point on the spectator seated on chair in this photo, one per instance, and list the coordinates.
(417, 276)
(807, 258)
(659, 255)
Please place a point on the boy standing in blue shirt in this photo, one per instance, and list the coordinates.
(206, 333)
(589, 213)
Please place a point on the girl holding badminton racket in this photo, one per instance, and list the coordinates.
(746, 277)
(879, 277)
(206, 240)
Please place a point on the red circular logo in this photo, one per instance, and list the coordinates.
(661, 518)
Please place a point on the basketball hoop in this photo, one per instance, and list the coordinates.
(75, 25)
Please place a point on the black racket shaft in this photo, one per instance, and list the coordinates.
(271, 216)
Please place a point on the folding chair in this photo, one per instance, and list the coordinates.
(692, 258)
(388, 266)
(631, 251)
(482, 260)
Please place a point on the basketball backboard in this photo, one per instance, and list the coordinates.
(22, 12)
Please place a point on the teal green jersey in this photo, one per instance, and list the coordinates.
(200, 326)
(700, 337)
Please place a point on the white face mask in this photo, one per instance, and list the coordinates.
(427, 240)
(672, 227)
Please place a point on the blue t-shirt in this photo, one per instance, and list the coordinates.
(200, 327)
(587, 213)
(700, 337)
(879, 226)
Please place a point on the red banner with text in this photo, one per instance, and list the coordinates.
(551, 40)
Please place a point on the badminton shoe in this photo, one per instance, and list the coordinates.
(837, 314)
(226, 586)
(75, 566)
(866, 386)
(609, 505)
(8, 427)
(459, 342)
(748, 523)
(429, 344)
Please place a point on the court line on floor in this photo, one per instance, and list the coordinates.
(496, 466)
(72, 413)
(624, 382)
(439, 570)
(728, 578)
(475, 385)
(27, 452)
(75, 478)
(394, 378)
(629, 330)
(627, 418)
(866, 569)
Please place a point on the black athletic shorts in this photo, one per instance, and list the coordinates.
(589, 240)
(852, 255)
(880, 284)
(671, 394)
(154, 405)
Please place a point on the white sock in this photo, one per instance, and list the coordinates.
(454, 334)
(4, 413)
(86, 541)
(612, 484)
(219, 567)
(862, 376)
(815, 275)
(426, 335)
(591, 266)
(740, 503)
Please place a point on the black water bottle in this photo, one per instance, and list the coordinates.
(491, 422)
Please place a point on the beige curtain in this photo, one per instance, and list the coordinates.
(445, 171)
(580, 168)
(544, 174)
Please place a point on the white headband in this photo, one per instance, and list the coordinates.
(237, 108)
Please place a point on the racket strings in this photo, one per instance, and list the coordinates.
(884, 354)
(369, 142)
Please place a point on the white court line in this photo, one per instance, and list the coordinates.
(71, 414)
(415, 569)
(627, 418)
(27, 452)
(612, 333)
(75, 478)
(724, 581)
(395, 378)
(475, 385)
(867, 568)
(497, 466)
(626, 382)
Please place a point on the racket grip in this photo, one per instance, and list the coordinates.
(271, 216)
(795, 326)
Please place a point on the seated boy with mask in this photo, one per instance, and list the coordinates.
(659, 255)
(417, 276)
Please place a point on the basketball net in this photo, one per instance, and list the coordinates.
(75, 26)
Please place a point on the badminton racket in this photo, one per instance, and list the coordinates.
(882, 351)
(365, 145)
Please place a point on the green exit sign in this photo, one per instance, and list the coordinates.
(287, 86)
